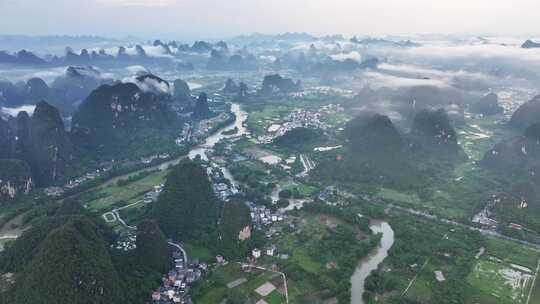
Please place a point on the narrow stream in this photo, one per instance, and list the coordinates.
(372, 261)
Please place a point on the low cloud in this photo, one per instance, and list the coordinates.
(466, 80)
(493, 59)
(379, 80)
(15, 111)
(156, 51)
(354, 55)
(134, 69)
(154, 86)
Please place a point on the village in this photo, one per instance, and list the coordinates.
(175, 285)
(486, 218)
(299, 118)
(58, 191)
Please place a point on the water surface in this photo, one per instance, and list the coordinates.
(372, 261)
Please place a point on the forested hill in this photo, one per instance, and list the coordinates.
(376, 151)
(434, 136)
(518, 157)
(120, 118)
(187, 208)
(527, 114)
(71, 266)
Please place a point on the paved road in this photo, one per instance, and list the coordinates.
(8, 237)
(116, 214)
(458, 224)
(184, 253)
(307, 163)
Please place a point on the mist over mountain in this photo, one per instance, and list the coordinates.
(111, 117)
(295, 167)
(21, 57)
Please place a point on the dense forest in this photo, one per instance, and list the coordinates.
(66, 257)
(300, 139)
(187, 209)
(235, 231)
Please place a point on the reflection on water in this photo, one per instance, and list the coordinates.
(372, 261)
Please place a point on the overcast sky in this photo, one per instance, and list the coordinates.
(214, 18)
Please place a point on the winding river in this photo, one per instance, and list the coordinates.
(372, 261)
(212, 140)
(202, 149)
(365, 266)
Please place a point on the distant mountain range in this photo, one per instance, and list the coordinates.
(529, 44)
(114, 121)
(65, 92)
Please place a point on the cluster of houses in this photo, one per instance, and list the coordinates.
(76, 182)
(333, 196)
(222, 190)
(151, 158)
(485, 217)
(270, 251)
(332, 109)
(205, 126)
(152, 196)
(261, 216)
(297, 118)
(176, 283)
(315, 92)
(126, 242)
(185, 135)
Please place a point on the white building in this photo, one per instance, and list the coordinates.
(256, 253)
(270, 251)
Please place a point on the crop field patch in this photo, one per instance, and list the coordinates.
(508, 283)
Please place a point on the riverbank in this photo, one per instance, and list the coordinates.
(372, 261)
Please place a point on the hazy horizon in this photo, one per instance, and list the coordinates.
(213, 19)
